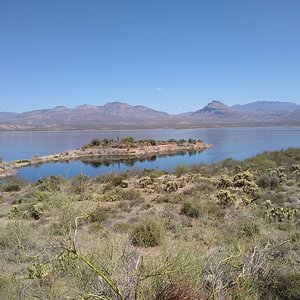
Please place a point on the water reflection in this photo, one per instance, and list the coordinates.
(97, 162)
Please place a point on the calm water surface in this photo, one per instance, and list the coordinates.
(237, 143)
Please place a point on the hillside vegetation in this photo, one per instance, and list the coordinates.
(228, 230)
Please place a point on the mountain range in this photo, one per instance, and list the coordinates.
(117, 115)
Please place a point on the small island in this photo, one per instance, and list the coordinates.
(111, 150)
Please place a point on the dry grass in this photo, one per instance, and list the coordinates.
(97, 238)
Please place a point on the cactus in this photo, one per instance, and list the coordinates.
(281, 214)
(145, 181)
(225, 182)
(171, 187)
(225, 198)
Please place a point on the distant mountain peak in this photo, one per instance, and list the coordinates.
(216, 107)
(116, 103)
(59, 107)
(86, 107)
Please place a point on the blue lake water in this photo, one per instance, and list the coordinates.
(238, 143)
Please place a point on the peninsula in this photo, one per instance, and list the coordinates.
(110, 150)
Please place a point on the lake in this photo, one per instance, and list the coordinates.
(238, 143)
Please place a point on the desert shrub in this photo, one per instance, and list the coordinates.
(114, 195)
(8, 285)
(192, 141)
(211, 209)
(168, 199)
(172, 141)
(33, 209)
(181, 142)
(190, 209)
(268, 181)
(176, 291)
(206, 170)
(98, 214)
(229, 163)
(84, 147)
(280, 284)
(14, 187)
(288, 286)
(15, 200)
(181, 170)
(247, 228)
(50, 184)
(128, 139)
(95, 142)
(148, 141)
(121, 227)
(16, 236)
(65, 212)
(79, 183)
(117, 179)
(153, 173)
(147, 233)
(131, 195)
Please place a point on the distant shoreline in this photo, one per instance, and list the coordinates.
(154, 128)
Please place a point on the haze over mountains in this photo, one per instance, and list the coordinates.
(117, 115)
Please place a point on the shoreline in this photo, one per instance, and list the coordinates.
(113, 151)
(216, 126)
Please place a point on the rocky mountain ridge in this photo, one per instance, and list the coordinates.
(118, 115)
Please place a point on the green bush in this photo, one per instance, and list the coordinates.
(192, 141)
(181, 170)
(148, 233)
(181, 142)
(98, 214)
(95, 142)
(14, 187)
(114, 195)
(50, 184)
(117, 179)
(190, 209)
(288, 287)
(121, 227)
(128, 139)
(268, 181)
(247, 228)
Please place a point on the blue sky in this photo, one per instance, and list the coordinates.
(170, 55)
